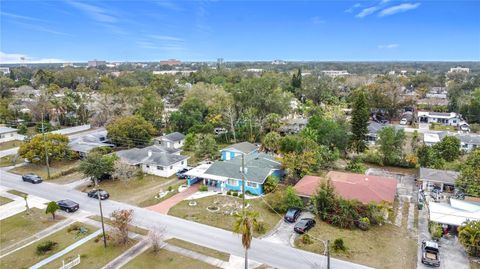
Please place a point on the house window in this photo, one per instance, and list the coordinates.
(159, 167)
(251, 184)
(147, 166)
(232, 182)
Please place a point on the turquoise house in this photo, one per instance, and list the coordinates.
(226, 175)
(238, 149)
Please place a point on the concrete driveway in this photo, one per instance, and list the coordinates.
(283, 233)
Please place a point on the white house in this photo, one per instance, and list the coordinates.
(8, 134)
(154, 160)
(468, 141)
(459, 69)
(174, 140)
(335, 73)
(452, 118)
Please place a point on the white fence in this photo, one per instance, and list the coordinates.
(71, 264)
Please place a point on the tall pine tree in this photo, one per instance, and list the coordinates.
(360, 116)
(297, 80)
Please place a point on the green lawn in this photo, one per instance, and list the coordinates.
(107, 220)
(57, 169)
(200, 249)
(27, 256)
(8, 160)
(17, 193)
(386, 246)
(21, 226)
(140, 192)
(10, 144)
(221, 218)
(92, 255)
(4, 200)
(165, 259)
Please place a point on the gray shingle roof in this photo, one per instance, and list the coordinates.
(258, 167)
(243, 147)
(175, 136)
(90, 141)
(444, 176)
(160, 156)
(466, 138)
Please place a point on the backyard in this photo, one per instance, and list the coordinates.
(386, 246)
(165, 259)
(28, 255)
(222, 215)
(21, 226)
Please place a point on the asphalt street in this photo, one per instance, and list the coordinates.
(270, 253)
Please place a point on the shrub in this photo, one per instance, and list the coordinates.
(170, 188)
(250, 193)
(229, 192)
(240, 195)
(203, 188)
(306, 239)
(45, 247)
(270, 184)
(73, 227)
(339, 245)
(435, 230)
(235, 194)
(364, 223)
(373, 157)
(261, 228)
(356, 166)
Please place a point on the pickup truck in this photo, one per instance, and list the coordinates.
(430, 253)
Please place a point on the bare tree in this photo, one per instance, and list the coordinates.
(25, 197)
(121, 220)
(156, 237)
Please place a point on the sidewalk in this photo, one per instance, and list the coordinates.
(164, 206)
(128, 255)
(18, 203)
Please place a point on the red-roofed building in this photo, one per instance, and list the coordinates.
(350, 186)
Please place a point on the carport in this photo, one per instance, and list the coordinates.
(197, 174)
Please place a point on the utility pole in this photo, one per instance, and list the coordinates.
(243, 203)
(46, 149)
(328, 254)
(101, 213)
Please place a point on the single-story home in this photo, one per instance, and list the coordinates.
(450, 118)
(8, 134)
(238, 149)
(293, 125)
(455, 213)
(439, 178)
(226, 175)
(468, 141)
(173, 140)
(350, 186)
(155, 160)
(374, 128)
(84, 144)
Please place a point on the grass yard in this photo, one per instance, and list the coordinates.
(200, 249)
(4, 200)
(17, 193)
(9, 161)
(10, 144)
(27, 256)
(165, 259)
(21, 226)
(92, 255)
(385, 246)
(69, 178)
(221, 218)
(134, 229)
(57, 169)
(138, 192)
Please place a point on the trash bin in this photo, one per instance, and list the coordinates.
(420, 206)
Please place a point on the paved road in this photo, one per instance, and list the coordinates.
(269, 253)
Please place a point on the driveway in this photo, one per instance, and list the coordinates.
(283, 233)
(164, 206)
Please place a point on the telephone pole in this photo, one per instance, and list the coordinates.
(46, 149)
(101, 213)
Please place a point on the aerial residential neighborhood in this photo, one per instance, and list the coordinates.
(239, 134)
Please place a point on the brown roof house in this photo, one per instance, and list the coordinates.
(350, 186)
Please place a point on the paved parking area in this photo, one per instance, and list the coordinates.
(283, 233)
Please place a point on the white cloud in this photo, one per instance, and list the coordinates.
(168, 5)
(166, 38)
(398, 9)
(388, 46)
(367, 11)
(317, 20)
(17, 16)
(13, 58)
(352, 8)
(97, 13)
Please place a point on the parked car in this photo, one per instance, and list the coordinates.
(94, 194)
(304, 225)
(430, 253)
(181, 174)
(68, 205)
(403, 121)
(292, 215)
(32, 178)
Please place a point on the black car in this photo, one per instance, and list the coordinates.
(68, 205)
(292, 215)
(94, 194)
(304, 225)
(181, 174)
(32, 178)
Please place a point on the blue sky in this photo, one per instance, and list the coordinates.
(43, 31)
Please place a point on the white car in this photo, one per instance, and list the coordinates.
(403, 121)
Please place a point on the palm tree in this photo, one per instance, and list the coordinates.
(469, 236)
(244, 224)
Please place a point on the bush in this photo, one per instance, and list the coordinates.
(356, 166)
(261, 227)
(373, 157)
(306, 239)
(270, 184)
(435, 230)
(240, 195)
(73, 227)
(364, 224)
(229, 192)
(339, 245)
(170, 188)
(45, 247)
(250, 193)
(203, 188)
(235, 194)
